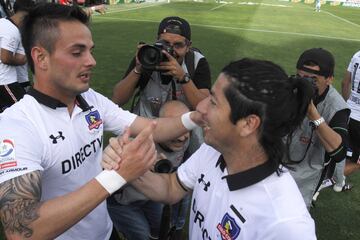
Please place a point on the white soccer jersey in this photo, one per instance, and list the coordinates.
(253, 205)
(9, 40)
(354, 99)
(22, 70)
(37, 133)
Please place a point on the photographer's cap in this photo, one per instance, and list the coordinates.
(319, 56)
(175, 25)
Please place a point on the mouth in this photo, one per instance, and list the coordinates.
(206, 127)
(85, 77)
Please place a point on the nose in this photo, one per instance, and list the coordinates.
(90, 60)
(202, 106)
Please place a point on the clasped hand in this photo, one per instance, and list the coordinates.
(131, 158)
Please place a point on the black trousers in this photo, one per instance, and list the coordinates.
(10, 94)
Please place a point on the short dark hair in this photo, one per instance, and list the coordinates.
(23, 5)
(41, 26)
(264, 89)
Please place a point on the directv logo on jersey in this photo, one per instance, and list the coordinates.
(228, 228)
(93, 119)
(79, 157)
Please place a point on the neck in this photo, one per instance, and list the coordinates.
(240, 158)
(18, 17)
(68, 100)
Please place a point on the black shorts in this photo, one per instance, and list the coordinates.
(354, 137)
(10, 94)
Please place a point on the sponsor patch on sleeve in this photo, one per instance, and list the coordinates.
(7, 154)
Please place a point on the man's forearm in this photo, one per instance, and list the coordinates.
(24, 216)
(9, 58)
(330, 139)
(345, 86)
(166, 128)
(124, 89)
(160, 187)
(59, 214)
(193, 94)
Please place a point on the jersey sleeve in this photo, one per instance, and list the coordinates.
(11, 40)
(21, 150)
(292, 229)
(115, 118)
(352, 62)
(202, 76)
(188, 171)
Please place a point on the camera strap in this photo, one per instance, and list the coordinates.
(145, 77)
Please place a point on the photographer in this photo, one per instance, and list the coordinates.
(184, 86)
(321, 140)
(133, 214)
(184, 75)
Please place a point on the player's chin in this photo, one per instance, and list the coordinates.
(82, 88)
(177, 147)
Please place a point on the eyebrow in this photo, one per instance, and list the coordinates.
(81, 46)
(212, 93)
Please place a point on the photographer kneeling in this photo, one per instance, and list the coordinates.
(135, 215)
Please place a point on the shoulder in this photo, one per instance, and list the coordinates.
(19, 112)
(205, 153)
(198, 54)
(93, 97)
(356, 55)
(293, 228)
(17, 120)
(338, 102)
(8, 27)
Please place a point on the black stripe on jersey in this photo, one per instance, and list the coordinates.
(237, 213)
(180, 183)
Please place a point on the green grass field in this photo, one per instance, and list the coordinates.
(273, 30)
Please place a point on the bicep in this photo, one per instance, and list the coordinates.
(347, 78)
(20, 203)
(178, 189)
(202, 76)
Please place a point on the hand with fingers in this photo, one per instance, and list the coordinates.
(131, 158)
(171, 67)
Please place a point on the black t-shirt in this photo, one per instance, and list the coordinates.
(201, 78)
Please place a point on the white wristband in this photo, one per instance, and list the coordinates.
(187, 122)
(110, 180)
(93, 8)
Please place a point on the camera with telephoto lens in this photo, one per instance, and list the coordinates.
(316, 96)
(151, 56)
(163, 166)
(312, 80)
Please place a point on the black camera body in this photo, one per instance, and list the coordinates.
(316, 96)
(151, 56)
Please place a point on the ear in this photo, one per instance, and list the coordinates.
(329, 80)
(188, 46)
(248, 125)
(40, 58)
